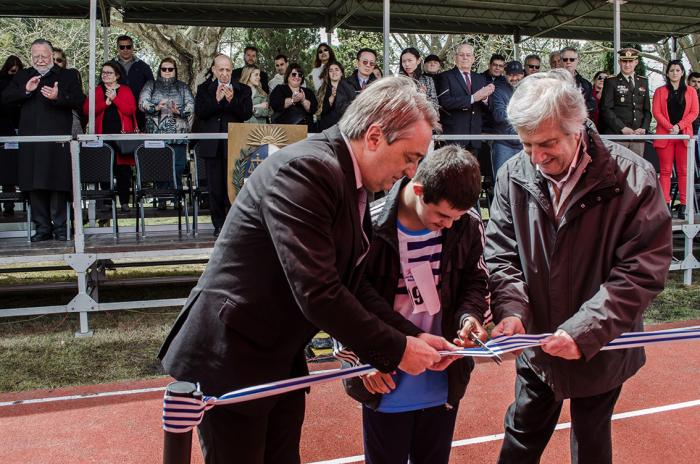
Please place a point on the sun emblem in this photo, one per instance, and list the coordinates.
(267, 134)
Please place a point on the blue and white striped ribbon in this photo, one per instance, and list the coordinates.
(183, 414)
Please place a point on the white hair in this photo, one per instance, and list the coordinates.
(394, 104)
(546, 96)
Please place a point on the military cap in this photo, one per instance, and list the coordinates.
(628, 54)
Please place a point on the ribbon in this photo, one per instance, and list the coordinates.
(181, 414)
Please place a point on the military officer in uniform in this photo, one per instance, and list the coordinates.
(624, 106)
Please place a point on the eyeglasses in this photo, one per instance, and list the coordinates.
(368, 63)
(533, 66)
(107, 73)
(167, 69)
(498, 65)
(601, 77)
(125, 47)
(295, 74)
(323, 50)
(41, 57)
(569, 60)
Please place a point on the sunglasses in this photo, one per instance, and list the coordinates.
(324, 50)
(125, 47)
(58, 60)
(167, 69)
(568, 60)
(533, 66)
(601, 77)
(295, 74)
(366, 63)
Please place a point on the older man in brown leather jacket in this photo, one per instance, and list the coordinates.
(578, 244)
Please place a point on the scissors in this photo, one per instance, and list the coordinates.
(494, 356)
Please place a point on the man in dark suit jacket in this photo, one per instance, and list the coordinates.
(463, 97)
(289, 262)
(219, 102)
(250, 56)
(364, 74)
(47, 96)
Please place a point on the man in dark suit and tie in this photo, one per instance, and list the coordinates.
(220, 101)
(463, 96)
(289, 261)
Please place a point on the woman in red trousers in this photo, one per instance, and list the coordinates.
(115, 110)
(675, 108)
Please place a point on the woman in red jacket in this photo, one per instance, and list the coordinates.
(675, 108)
(115, 110)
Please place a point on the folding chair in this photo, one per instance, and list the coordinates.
(9, 176)
(96, 171)
(155, 167)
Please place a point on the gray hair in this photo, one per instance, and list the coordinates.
(394, 104)
(43, 42)
(551, 95)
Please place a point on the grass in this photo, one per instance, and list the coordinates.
(42, 352)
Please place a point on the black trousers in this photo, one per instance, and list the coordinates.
(122, 173)
(424, 435)
(530, 422)
(218, 194)
(267, 433)
(49, 210)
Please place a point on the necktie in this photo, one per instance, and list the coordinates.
(362, 84)
(362, 206)
(631, 81)
(469, 82)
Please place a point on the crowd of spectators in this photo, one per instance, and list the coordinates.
(129, 98)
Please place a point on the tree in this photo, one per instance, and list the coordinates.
(193, 47)
(299, 45)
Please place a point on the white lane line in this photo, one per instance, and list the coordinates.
(82, 397)
(563, 425)
(101, 395)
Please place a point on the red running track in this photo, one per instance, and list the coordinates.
(126, 428)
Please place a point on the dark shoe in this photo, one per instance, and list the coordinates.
(60, 234)
(41, 237)
(680, 211)
(103, 222)
(125, 209)
(8, 213)
(217, 231)
(161, 205)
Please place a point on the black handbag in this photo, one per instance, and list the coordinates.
(128, 147)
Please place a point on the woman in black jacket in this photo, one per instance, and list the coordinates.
(9, 122)
(292, 103)
(334, 96)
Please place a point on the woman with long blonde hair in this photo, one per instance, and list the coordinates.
(261, 107)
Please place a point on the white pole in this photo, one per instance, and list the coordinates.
(387, 47)
(93, 59)
(105, 44)
(674, 48)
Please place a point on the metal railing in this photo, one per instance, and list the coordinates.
(81, 261)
